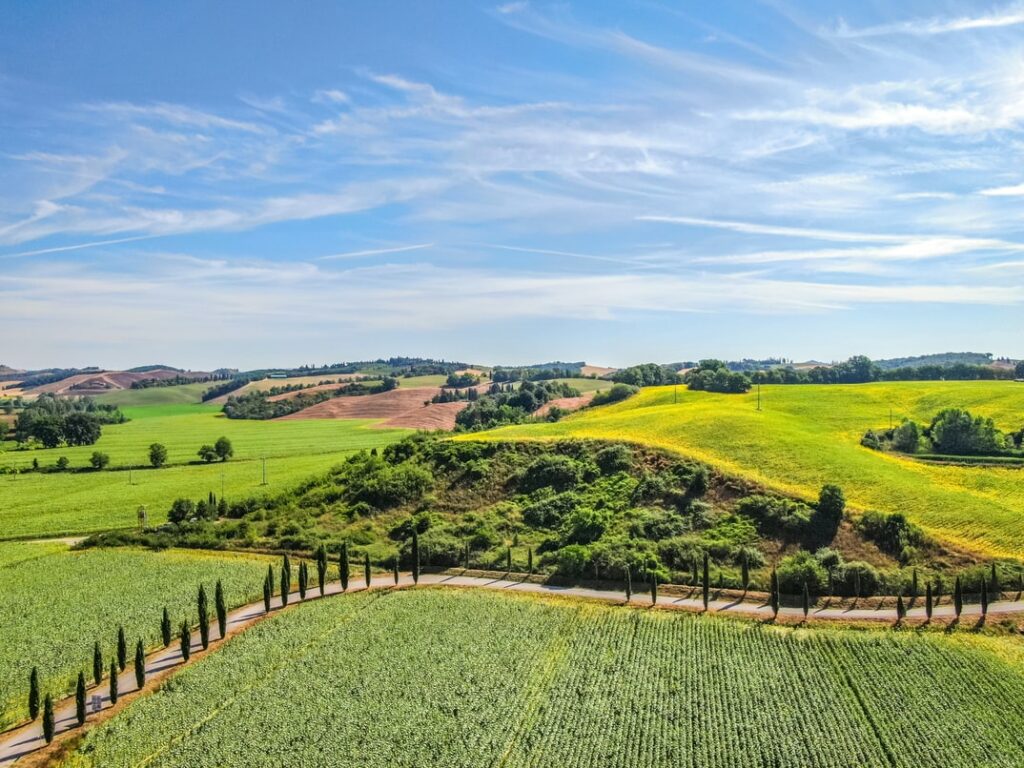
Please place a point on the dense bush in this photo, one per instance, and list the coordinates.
(892, 532)
(715, 376)
(55, 421)
(955, 432)
(616, 394)
(799, 570)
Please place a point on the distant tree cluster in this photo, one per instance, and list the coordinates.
(462, 380)
(55, 421)
(861, 370)
(646, 375)
(537, 373)
(952, 432)
(506, 404)
(715, 376)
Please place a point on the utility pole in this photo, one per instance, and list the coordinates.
(759, 396)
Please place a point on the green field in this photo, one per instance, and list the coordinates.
(587, 385)
(807, 435)
(57, 503)
(56, 603)
(182, 394)
(444, 678)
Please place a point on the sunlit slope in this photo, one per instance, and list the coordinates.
(805, 436)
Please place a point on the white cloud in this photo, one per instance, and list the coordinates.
(1015, 190)
(1010, 16)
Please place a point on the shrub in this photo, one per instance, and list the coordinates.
(799, 570)
(558, 472)
(614, 458)
(906, 437)
(583, 526)
(573, 560)
(99, 460)
(892, 532)
(616, 394)
(856, 573)
(776, 513)
(181, 510)
(549, 513)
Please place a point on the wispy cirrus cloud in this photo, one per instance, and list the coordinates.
(1009, 16)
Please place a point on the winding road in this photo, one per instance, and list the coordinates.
(28, 738)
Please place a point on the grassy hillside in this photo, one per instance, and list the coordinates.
(375, 679)
(56, 603)
(51, 503)
(806, 436)
(178, 395)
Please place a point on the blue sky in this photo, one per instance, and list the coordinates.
(255, 184)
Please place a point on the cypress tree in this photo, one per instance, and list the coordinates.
(165, 628)
(774, 593)
(222, 609)
(286, 564)
(204, 618)
(140, 665)
(303, 575)
(913, 584)
(928, 600)
(366, 569)
(693, 562)
(185, 641)
(97, 663)
(465, 563)
(654, 588)
(745, 570)
(122, 649)
(321, 568)
(80, 699)
(807, 601)
(994, 583)
(415, 556)
(984, 598)
(958, 598)
(113, 683)
(395, 566)
(706, 582)
(48, 719)
(508, 559)
(629, 585)
(33, 693)
(270, 578)
(901, 609)
(529, 561)
(286, 583)
(343, 566)
(266, 594)
(831, 583)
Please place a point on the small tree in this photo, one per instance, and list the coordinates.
(465, 555)
(529, 561)
(913, 584)
(366, 569)
(80, 699)
(303, 576)
(394, 564)
(806, 601)
(415, 556)
(928, 607)
(654, 588)
(223, 448)
(705, 582)
(831, 504)
(165, 628)
(97, 663)
(222, 610)
(629, 585)
(157, 455)
(48, 719)
(958, 598)
(773, 597)
(185, 641)
(33, 693)
(901, 609)
(122, 649)
(508, 559)
(204, 618)
(994, 582)
(266, 594)
(63, 463)
(984, 598)
(140, 665)
(343, 566)
(113, 684)
(99, 460)
(207, 453)
(270, 578)
(745, 570)
(321, 568)
(286, 582)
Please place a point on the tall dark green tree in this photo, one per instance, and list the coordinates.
(745, 570)
(508, 559)
(465, 559)
(629, 585)
(48, 724)
(394, 564)
(270, 578)
(654, 588)
(343, 566)
(529, 561)
(97, 663)
(222, 609)
(994, 582)
(140, 665)
(33, 693)
(266, 594)
(415, 556)
(303, 576)
(286, 582)
(286, 564)
(928, 604)
(165, 628)
(984, 598)
(204, 618)
(705, 582)
(185, 641)
(958, 598)
(773, 596)
(806, 601)
(80, 699)
(901, 609)
(321, 568)
(366, 569)
(122, 649)
(913, 584)
(113, 683)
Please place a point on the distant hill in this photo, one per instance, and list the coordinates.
(943, 358)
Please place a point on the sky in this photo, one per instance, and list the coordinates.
(269, 184)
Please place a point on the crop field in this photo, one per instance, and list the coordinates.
(181, 394)
(56, 603)
(585, 385)
(808, 435)
(380, 679)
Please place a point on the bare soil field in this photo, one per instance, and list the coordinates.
(565, 403)
(398, 408)
(108, 381)
(596, 370)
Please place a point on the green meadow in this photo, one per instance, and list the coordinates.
(808, 435)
